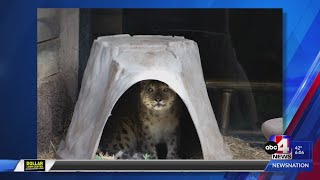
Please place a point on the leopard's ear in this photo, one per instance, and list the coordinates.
(144, 83)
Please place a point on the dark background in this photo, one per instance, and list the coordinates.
(255, 34)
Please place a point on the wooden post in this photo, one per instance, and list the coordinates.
(226, 101)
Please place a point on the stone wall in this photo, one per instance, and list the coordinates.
(58, 41)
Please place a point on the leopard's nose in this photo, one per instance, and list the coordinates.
(158, 98)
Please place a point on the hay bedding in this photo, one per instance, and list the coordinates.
(240, 150)
(49, 153)
(243, 150)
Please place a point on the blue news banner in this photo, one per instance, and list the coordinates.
(288, 155)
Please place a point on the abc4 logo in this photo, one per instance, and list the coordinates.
(279, 144)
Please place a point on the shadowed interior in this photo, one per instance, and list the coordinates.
(190, 147)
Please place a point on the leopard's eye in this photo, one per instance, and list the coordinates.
(150, 90)
(165, 89)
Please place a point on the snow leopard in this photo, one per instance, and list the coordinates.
(155, 122)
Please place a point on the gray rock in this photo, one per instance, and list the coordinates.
(272, 127)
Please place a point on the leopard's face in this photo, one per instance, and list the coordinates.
(156, 95)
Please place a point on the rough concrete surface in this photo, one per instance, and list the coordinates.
(69, 50)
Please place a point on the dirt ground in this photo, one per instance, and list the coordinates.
(239, 148)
